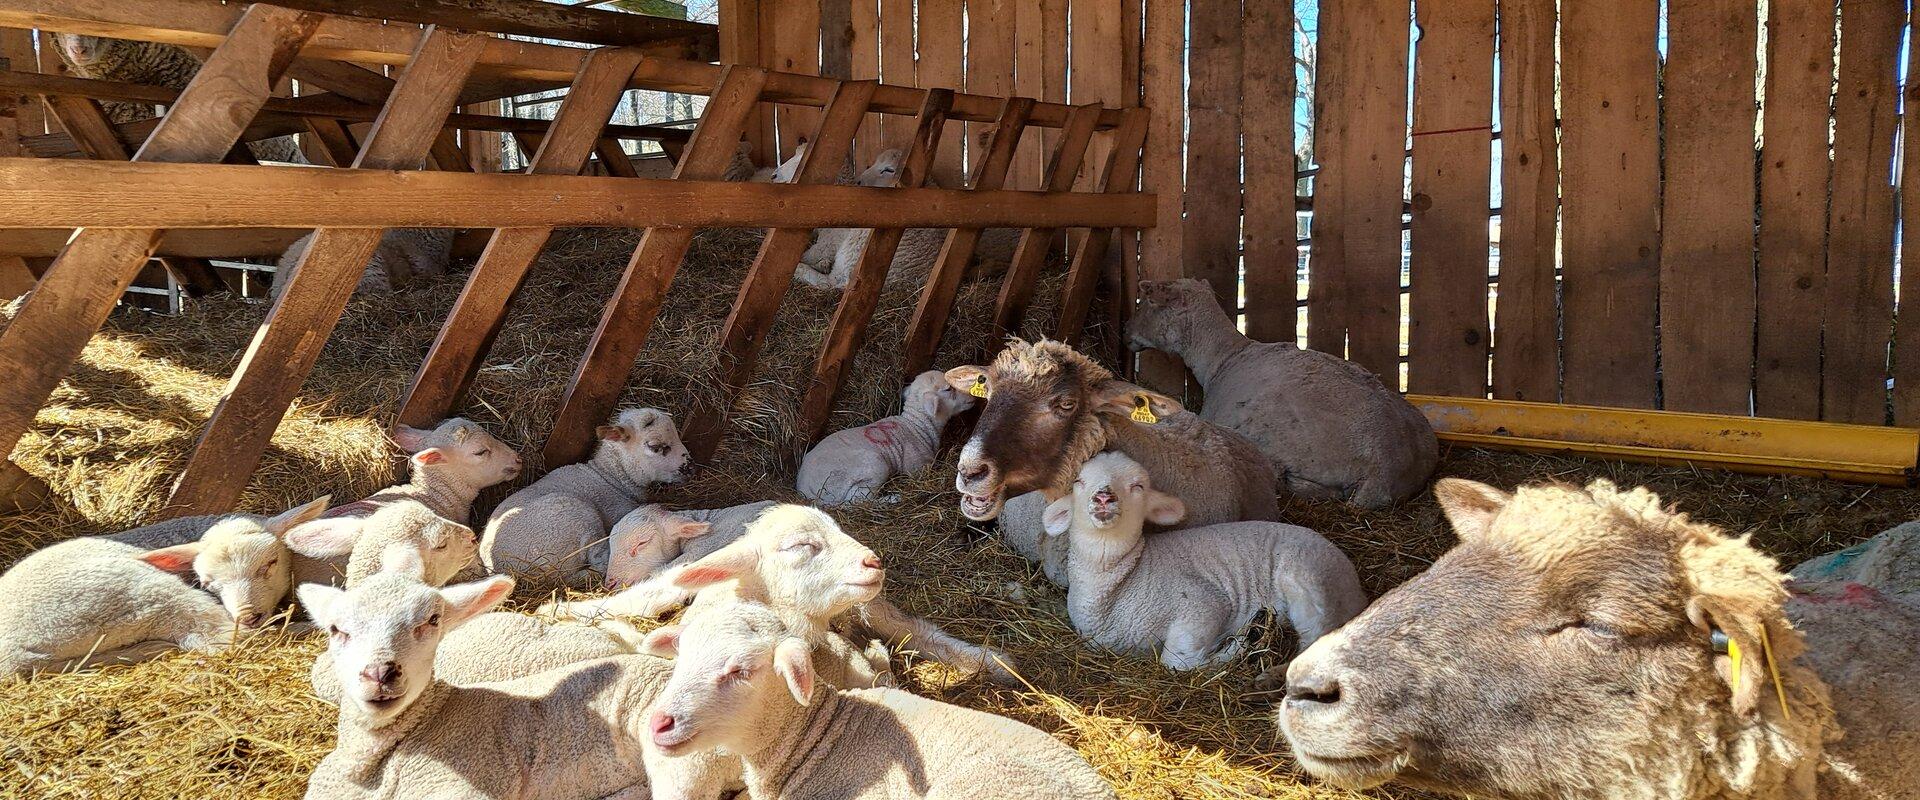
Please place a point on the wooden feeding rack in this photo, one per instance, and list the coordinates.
(121, 207)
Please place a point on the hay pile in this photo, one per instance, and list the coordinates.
(243, 723)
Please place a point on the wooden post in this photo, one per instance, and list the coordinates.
(1526, 331)
(1271, 221)
(1016, 287)
(1116, 178)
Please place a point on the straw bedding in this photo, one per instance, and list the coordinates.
(244, 724)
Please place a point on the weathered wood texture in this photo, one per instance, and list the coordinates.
(1271, 254)
(1117, 177)
(795, 39)
(1859, 283)
(695, 40)
(1212, 238)
(1526, 331)
(941, 25)
(1163, 86)
(1016, 287)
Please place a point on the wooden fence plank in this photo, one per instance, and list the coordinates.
(1707, 227)
(766, 283)
(1116, 177)
(742, 41)
(1906, 352)
(896, 65)
(630, 314)
(940, 40)
(929, 321)
(1859, 286)
(316, 291)
(1163, 88)
(864, 52)
(836, 38)
(474, 322)
(1272, 258)
(1212, 236)
(534, 18)
(16, 48)
(1451, 192)
(1611, 147)
(1041, 73)
(1794, 168)
(1016, 287)
(1526, 344)
(84, 282)
(1094, 77)
(991, 41)
(848, 327)
(796, 48)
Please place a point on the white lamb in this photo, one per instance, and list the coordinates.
(545, 534)
(744, 685)
(828, 263)
(91, 601)
(850, 465)
(651, 538)
(565, 733)
(1187, 593)
(403, 256)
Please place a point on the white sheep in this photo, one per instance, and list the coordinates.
(1187, 593)
(91, 600)
(402, 256)
(828, 263)
(850, 465)
(744, 685)
(564, 733)
(545, 533)
(651, 538)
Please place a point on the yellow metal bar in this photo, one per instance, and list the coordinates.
(1859, 453)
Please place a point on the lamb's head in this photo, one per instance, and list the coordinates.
(790, 168)
(932, 394)
(1169, 313)
(84, 51)
(1113, 493)
(793, 557)
(643, 443)
(459, 452)
(732, 667)
(384, 631)
(645, 540)
(242, 560)
(885, 170)
(1049, 409)
(442, 547)
(1565, 647)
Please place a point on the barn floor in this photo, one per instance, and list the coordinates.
(243, 723)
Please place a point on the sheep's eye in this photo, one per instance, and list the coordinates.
(803, 546)
(659, 449)
(433, 621)
(1587, 627)
(440, 546)
(483, 453)
(335, 632)
(1065, 405)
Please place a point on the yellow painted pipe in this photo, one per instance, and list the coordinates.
(1859, 453)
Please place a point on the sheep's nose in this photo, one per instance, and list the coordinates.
(661, 722)
(1103, 497)
(975, 472)
(250, 619)
(870, 562)
(1317, 687)
(382, 673)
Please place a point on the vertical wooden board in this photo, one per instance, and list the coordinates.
(836, 38)
(1610, 121)
(940, 40)
(1906, 344)
(1271, 259)
(1526, 331)
(1794, 168)
(16, 46)
(1707, 225)
(896, 66)
(1451, 191)
(991, 39)
(865, 55)
(796, 48)
(743, 40)
(1041, 73)
(1163, 87)
(1213, 149)
(484, 147)
(1859, 286)
(1363, 106)
(1094, 74)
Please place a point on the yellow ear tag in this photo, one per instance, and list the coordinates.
(1733, 652)
(1142, 411)
(979, 387)
(1779, 689)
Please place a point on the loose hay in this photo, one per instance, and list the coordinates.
(244, 723)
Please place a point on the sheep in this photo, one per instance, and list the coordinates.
(1580, 644)
(1186, 593)
(1331, 429)
(850, 465)
(91, 600)
(828, 263)
(402, 256)
(403, 731)
(546, 533)
(1889, 562)
(651, 538)
(151, 64)
(744, 685)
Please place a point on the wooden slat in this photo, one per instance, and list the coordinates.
(766, 283)
(1706, 230)
(940, 27)
(930, 313)
(896, 64)
(796, 48)
(1611, 148)
(82, 285)
(1115, 178)
(1859, 285)
(1163, 84)
(1906, 354)
(332, 140)
(474, 322)
(1451, 192)
(483, 147)
(629, 315)
(1794, 169)
(743, 41)
(1094, 77)
(863, 54)
(1016, 287)
(16, 49)
(1272, 257)
(990, 54)
(16, 278)
(1212, 236)
(534, 18)
(316, 291)
(848, 326)
(1526, 346)
(614, 158)
(836, 38)
(1040, 30)
(1356, 238)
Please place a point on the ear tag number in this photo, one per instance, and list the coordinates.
(1142, 410)
(979, 387)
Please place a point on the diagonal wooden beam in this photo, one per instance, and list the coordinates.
(534, 18)
(754, 308)
(296, 328)
(1122, 163)
(629, 315)
(1016, 287)
(84, 282)
(855, 309)
(614, 158)
(336, 142)
(943, 284)
(475, 320)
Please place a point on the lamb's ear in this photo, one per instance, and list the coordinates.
(967, 377)
(1059, 516)
(324, 538)
(612, 433)
(1746, 679)
(663, 642)
(469, 600)
(177, 559)
(1120, 398)
(284, 521)
(1470, 506)
(684, 529)
(430, 457)
(1740, 592)
(720, 565)
(1164, 509)
(930, 403)
(410, 439)
(793, 660)
(318, 599)
(400, 558)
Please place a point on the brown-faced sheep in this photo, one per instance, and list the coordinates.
(1567, 648)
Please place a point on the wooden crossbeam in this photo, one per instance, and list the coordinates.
(534, 18)
(943, 284)
(614, 158)
(1016, 288)
(289, 340)
(1091, 253)
(746, 326)
(474, 322)
(857, 302)
(84, 282)
(629, 315)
